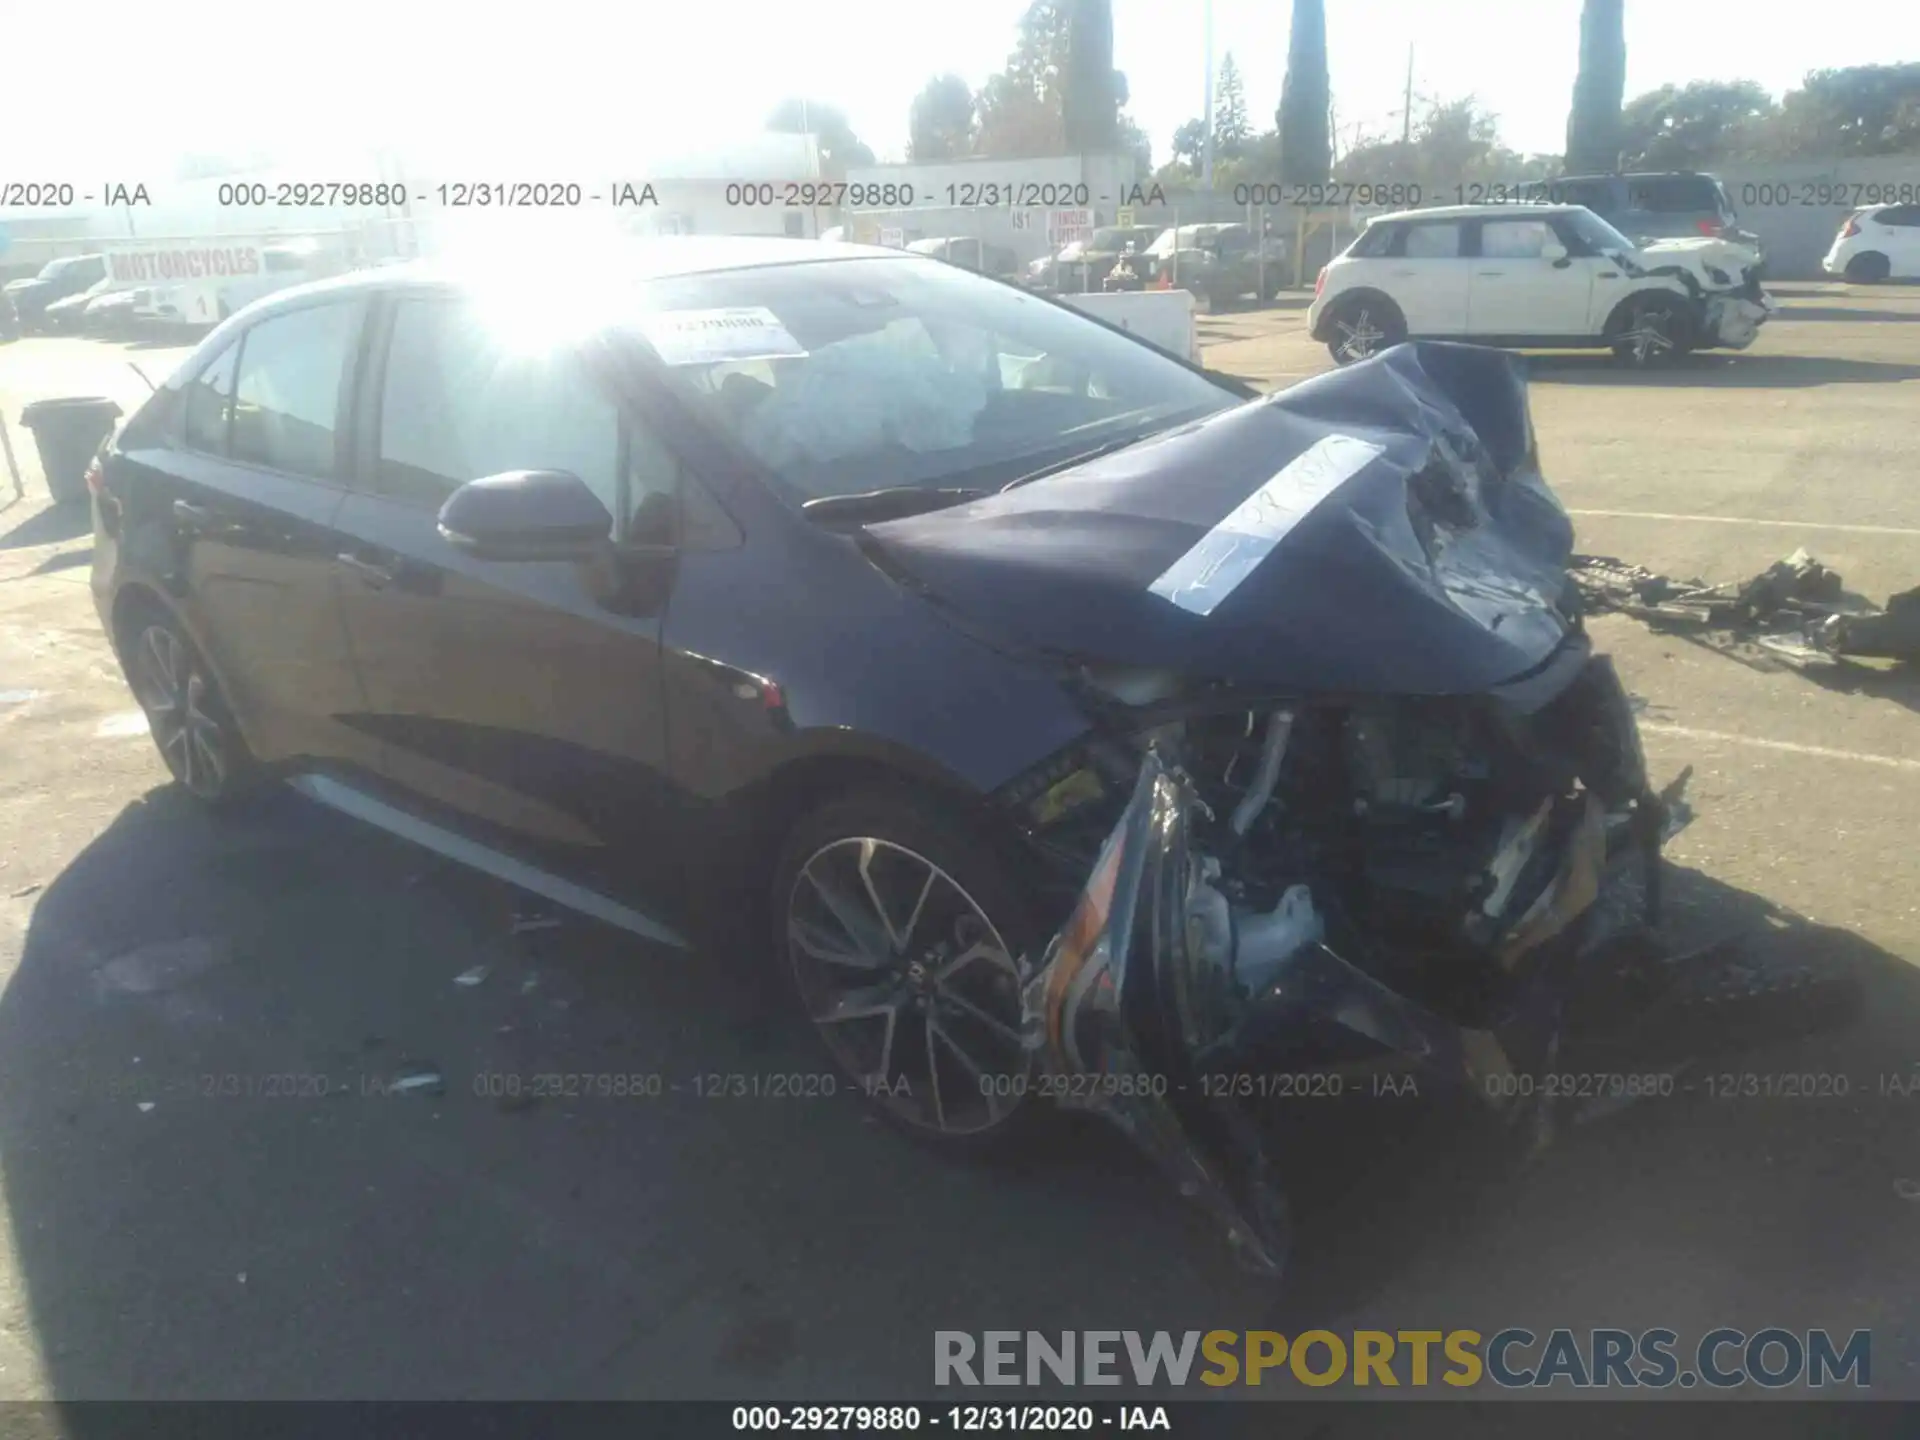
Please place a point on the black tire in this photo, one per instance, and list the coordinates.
(1360, 328)
(1869, 267)
(1654, 333)
(951, 1078)
(192, 725)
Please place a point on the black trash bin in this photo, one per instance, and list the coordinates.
(67, 432)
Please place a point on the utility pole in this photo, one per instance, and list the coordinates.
(1206, 156)
(1406, 106)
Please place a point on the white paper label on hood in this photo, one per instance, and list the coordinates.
(1213, 569)
(709, 337)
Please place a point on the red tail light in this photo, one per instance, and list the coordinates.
(96, 477)
(1712, 227)
(1851, 228)
(1320, 282)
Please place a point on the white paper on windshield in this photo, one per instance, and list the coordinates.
(1213, 569)
(709, 337)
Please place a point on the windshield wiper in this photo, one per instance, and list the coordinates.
(893, 502)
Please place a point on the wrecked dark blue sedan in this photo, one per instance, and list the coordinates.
(1066, 719)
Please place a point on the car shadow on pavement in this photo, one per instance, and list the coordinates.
(49, 526)
(289, 1109)
(1716, 370)
(1710, 1201)
(1840, 312)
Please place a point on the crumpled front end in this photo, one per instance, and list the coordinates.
(1416, 883)
(1723, 278)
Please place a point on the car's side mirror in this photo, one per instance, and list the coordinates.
(526, 515)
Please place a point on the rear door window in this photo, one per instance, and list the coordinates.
(1900, 216)
(1596, 195)
(286, 402)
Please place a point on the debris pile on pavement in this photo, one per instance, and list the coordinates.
(1796, 609)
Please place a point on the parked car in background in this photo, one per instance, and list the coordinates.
(1544, 276)
(110, 315)
(57, 279)
(970, 253)
(1083, 264)
(67, 316)
(775, 584)
(1660, 205)
(1881, 242)
(1223, 262)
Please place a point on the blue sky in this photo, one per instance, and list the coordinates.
(568, 88)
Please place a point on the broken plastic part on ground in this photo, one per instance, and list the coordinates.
(1797, 609)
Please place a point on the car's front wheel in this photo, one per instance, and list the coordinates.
(908, 943)
(186, 713)
(1653, 333)
(1361, 328)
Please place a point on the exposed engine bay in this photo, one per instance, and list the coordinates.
(1335, 881)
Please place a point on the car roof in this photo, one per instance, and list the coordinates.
(662, 257)
(1634, 175)
(1524, 209)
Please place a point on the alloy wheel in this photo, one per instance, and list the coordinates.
(173, 692)
(1648, 337)
(910, 983)
(1359, 337)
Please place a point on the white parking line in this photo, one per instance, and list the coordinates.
(1744, 520)
(1685, 732)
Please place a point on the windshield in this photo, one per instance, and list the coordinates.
(857, 375)
(1597, 232)
(54, 269)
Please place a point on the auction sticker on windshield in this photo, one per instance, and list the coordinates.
(708, 337)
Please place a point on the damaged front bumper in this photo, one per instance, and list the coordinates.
(1733, 321)
(1162, 989)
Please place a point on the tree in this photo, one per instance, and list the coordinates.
(840, 148)
(1454, 143)
(1020, 107)
(1136, 142)
(1231, 129)
(1692, 126)
(1094, 90)
(940, 124)
(1189, 141)
(1593, 124)
(1861, 110)
(1306, 147)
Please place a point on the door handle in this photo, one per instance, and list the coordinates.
(191, 517)
(375, 576)
(1489, 274)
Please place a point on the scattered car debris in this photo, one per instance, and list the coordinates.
(124, 726)
(25, 890)
(1907, 1189)
(1796, 609)
(143, 1106)
(470, 978)
(17, 697)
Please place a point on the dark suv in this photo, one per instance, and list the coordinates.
(1658, 205)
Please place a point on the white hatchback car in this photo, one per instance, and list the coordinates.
(1539, 276)
(1881, 242)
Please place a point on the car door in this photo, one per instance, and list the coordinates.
(251, 495)
(1897, 234)
(1428, 273)
(1517, 290)
(525, 694)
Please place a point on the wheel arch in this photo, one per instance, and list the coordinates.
(1623, 308)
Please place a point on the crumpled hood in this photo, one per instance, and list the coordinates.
(1380, 529)
(1696, 254)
